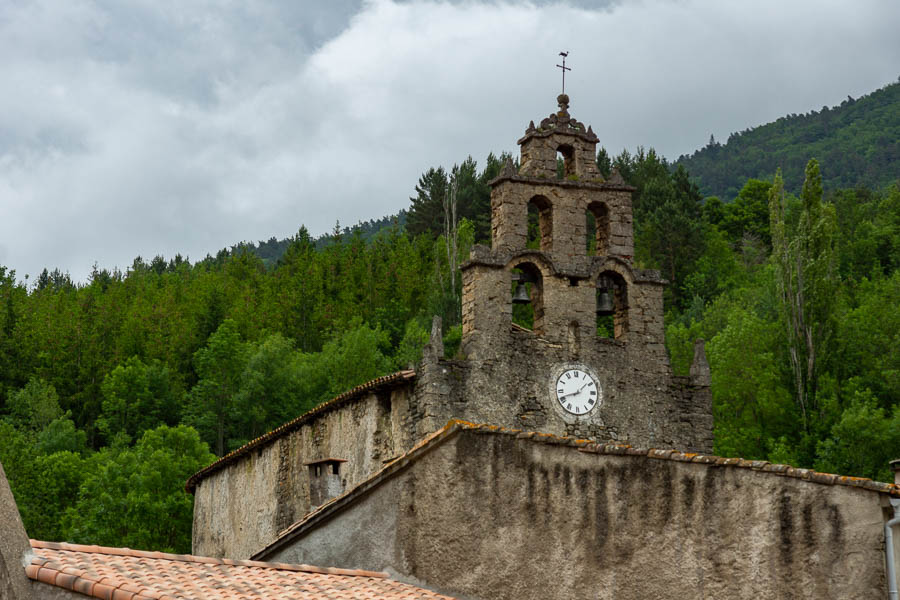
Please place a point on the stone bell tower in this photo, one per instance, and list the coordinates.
(594, 364)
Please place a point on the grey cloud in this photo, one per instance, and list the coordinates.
(156, 127)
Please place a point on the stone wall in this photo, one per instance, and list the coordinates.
(495, 515)
(241, 507)
(506, 372)
(514, 388)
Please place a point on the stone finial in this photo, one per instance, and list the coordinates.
(531, 128)
(590, 130)
(563, 100)
(616, 177)
(509, 170)
(435, 346)
(700, 367)
(895, 467)
(15, 549)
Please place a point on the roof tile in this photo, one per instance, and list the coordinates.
(125, 574)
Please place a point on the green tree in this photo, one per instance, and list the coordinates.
(35, 406)
(268, 392)
(137, 397)
(863, 441)
(135, 497)
(805, 271)
(351, 357)
(749, 213)
(219, 366)
(426, 209)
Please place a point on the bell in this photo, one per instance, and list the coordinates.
(521, 295)
(604, 304)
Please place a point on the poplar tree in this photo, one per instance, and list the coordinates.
(804, 260)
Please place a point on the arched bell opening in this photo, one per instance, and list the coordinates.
(565, 162)
(612, 305)
(540, 224)
(528, 297)
(597, 217)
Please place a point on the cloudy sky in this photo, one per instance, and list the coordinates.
(148, 127)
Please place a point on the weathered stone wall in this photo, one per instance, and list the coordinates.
(15, 550)
(240, 508)
(505, 377)
(498, 516)
(514, 388)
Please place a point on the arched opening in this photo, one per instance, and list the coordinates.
(527, 297)
(597, 227)
(565, 162)
(540, 224)
(612, 305)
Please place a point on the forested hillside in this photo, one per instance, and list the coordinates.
(115, 391)
(857, 143)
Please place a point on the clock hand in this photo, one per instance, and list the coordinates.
(578, 391)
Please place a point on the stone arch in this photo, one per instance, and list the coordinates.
(599, 211)
(570, 167)
(529, 274)
(543, 208)
(616, 286)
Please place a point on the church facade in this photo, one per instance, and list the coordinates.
(559, 378)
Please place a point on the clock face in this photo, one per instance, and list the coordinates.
(577, 392)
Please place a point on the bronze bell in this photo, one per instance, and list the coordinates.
(604, 304)
(521, 295)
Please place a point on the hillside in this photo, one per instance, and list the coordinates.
(857, 143)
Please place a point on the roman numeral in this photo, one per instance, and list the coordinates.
(591, 401)
(568, 376)
(560, 391)
(569, 406)
(593, 393)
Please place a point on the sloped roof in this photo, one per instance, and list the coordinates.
(454, 426)
(381, 383)
(124, 574)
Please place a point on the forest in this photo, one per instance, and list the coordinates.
(116, 390)
(856, 143)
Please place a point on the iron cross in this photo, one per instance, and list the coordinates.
(564, 69)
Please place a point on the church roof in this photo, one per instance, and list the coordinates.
(453, 427)
(125, 574)
(379, 384)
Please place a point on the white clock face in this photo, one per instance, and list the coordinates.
(577, 392)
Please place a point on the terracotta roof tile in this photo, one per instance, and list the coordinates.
(381, 383)
(125, 574)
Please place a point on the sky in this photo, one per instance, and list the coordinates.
(154, 127)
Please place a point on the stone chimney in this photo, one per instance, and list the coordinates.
(895, 467)
(700, 375)
(324, 480)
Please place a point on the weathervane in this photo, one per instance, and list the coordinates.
(564, 69)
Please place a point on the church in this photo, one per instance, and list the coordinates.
(550, 462)
(564, 460)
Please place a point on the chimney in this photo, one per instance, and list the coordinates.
(324, 480)
(895, 467)
(700, 375)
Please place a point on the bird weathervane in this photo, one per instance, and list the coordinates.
(564, 68)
